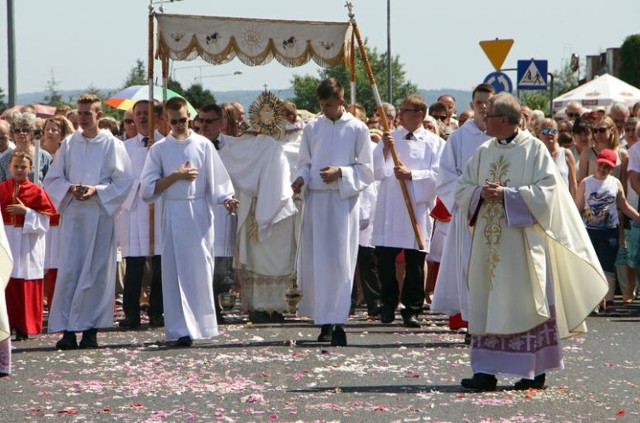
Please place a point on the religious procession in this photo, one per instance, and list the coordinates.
(515, 225)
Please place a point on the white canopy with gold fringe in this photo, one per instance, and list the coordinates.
(254, 41)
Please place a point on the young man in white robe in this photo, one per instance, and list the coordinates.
(185, 170)
(87, 182)
(134, 231)
(419, 152)
(334, 166)
(533, 275)
(450, 295)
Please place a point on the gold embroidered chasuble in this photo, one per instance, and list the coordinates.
(509, 266)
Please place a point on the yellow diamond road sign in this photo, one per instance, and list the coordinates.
(497, 51)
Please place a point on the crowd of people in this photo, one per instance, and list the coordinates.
(514, 224)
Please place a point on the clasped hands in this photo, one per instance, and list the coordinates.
(492, 191)
(82, 192)
(328, 174)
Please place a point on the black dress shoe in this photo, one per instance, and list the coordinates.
(89, 339)
(68, 341)
(535, 383)
(156, 321)
(127, 323)
(387, 316)
(338, 337)
(220, 319)
(21, 336)
(184, 341)
(480, 382)
(258, 316)
(277, 317)
(325, 334)
(411, 322)
(374, 310)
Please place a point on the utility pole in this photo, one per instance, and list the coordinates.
(11, 50)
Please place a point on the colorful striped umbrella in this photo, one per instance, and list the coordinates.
(127, 97)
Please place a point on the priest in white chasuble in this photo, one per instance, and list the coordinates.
(533, 276)
(265, 238)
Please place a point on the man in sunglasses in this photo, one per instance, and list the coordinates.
(87, 182)
(128, 126)
(573, 111)
(185, 171)
(212, 121)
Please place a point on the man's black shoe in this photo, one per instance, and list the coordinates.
(89, 339)
(375, 310)
(535, 383)
(387, 316)
(220, 319)
(411, 322)
(68, 341)
(480, 382)
(325, 334)
(277, 317)
(21, 336)
(338, 337)
(184, 341)
(127, 323)
(156, 321)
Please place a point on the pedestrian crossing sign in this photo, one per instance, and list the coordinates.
(532, 74)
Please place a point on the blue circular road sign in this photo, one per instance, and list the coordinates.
(500, 82)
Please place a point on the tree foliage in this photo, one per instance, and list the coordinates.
(305, 86)
(137, 75)
(3, 105)
(630, 60)
(198, 96)
(54, 97)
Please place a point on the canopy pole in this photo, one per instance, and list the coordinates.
(385, 125)
(352, 71)
(151, 124)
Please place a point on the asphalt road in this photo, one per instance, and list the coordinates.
(278, 372)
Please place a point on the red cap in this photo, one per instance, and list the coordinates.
(608, 157)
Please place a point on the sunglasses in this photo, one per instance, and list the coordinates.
(630, 129)
(547, 131)
(601, 130)
(210, 121)
(128, 121)
(441, 118)
(21, 131)
(177, 121)
(573, 115)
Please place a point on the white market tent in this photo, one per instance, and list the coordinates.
(600, 92)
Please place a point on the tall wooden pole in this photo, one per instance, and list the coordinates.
(151, 127)
(385, 125)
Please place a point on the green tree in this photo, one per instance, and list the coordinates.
(630, 60)
(3, 105)
(54, 98)
(304, 87)
(137, 75)
(175, 86)
(198, 96)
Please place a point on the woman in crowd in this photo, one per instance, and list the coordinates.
(547, 132)
(22, 128)
(605, 136)
(56, 129)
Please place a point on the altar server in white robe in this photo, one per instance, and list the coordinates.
(533, 275)
(185, 170)
(334, 166)
(265, 238)
(419, 152)
(451, 292)
(87, 182)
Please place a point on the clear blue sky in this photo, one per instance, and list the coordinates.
(96, 42)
